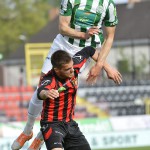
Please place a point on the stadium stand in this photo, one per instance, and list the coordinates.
(129, 98)
(14, 102)
(101, 100)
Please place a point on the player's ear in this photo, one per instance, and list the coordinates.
(56, 70)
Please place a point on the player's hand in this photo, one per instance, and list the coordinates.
(114, 75)
(91, 31)
(93, 74)
(52, 94)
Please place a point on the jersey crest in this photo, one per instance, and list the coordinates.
(75, 82)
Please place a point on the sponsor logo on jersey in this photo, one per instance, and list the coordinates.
(57, 143)
(58, 132)
(78, 57)
(45, 82)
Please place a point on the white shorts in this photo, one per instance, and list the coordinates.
(59, 44)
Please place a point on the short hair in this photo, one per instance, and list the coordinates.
(60, 58)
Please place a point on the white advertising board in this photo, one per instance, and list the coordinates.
(119, 139)
(116, 132)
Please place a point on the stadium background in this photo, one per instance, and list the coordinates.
(112, 117)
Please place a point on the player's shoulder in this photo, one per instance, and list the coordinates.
(111, 1)
(65, 2)
(108, 1)
(47, 78)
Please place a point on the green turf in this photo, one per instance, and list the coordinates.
(133, 148)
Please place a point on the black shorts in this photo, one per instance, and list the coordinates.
(65, 135)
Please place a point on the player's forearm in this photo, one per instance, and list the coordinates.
(106, 66)
(105, 49)
(67, 31)
(106, 46)
(95, 58)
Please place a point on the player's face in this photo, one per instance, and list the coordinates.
(66, 71)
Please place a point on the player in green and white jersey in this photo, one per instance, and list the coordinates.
(84, 14)
(80, 24)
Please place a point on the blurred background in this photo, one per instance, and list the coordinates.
(111, 116)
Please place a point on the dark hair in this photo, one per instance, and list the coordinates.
(60, 58)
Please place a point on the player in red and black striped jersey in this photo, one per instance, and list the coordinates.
(61, 108)
(58, 89)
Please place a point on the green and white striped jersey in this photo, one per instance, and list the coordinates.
(87, 13)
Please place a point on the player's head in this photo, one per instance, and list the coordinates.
(62, 64)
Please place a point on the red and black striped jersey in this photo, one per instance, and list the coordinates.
(62, 108)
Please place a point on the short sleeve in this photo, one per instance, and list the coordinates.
(81, 57)
(66, 8)
(111, 18)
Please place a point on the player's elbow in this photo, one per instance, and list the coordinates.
(62, 29)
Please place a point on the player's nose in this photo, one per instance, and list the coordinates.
(72, 69)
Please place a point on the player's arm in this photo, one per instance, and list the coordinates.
(87, 52)
(65, 19)
(64, 28)
(64, 23)
(110, 22)
(46, 89)
(106, 46)
(81, 57)
(111, 72)
(46, 93)
(104, 51)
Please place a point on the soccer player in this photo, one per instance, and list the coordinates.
(80, 24)
(58, 89)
